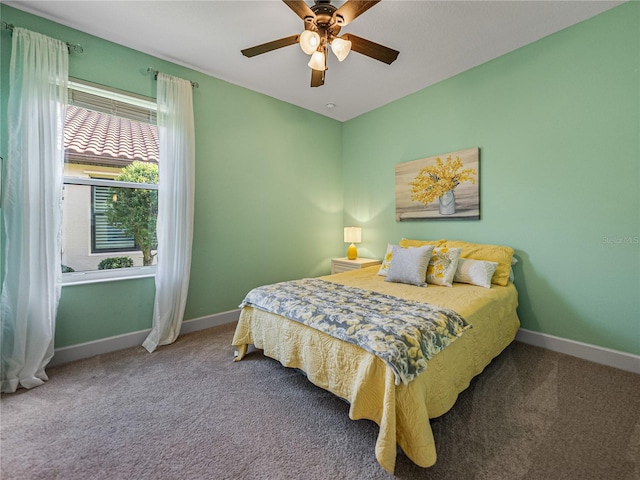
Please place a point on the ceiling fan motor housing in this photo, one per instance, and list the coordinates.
(324, 11)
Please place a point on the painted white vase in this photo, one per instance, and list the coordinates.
(447, 203)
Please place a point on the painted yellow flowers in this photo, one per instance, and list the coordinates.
(433, 181)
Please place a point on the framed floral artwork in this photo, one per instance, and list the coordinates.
(442, 187)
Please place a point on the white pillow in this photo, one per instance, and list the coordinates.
(442, 266)
(475, 272)
(409, 265)
(386, 261)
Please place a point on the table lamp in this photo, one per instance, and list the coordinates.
(352, 235)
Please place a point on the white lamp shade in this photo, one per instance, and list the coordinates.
(309, 41)
(340, 48)
(317, 61)
(352, 234)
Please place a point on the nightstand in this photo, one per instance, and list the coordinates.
(344, 264)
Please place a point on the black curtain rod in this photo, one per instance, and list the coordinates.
(155, 72)
(71, 47)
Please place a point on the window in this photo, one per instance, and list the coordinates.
(104, 236)
(110, 185)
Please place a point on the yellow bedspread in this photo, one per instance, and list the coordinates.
(402, 412)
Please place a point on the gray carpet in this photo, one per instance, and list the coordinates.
(188, 412)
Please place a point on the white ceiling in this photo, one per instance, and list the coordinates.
(436, 40)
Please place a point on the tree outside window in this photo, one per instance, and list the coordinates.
(135, 210)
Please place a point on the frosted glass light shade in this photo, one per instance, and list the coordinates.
(340, 48)
(352, 234)
(317, 61)
(309, 41)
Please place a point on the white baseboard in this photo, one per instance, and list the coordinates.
(593, 353)
(134, 339)
(209, 321)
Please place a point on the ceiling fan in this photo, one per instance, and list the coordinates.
(322, 23)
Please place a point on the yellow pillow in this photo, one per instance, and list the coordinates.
(492, 253)
(406, 243)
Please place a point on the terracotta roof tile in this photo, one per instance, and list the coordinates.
(102, 138)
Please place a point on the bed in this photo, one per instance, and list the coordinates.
(372, 388)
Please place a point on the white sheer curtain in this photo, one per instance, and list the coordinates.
(32, 207)
(175, 208)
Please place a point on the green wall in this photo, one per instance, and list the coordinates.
(266, 208)
(558, 126)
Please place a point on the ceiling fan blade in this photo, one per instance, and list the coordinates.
(371, 49)
(351, 9)
(300, 8)
(269, 46)
(317, 78)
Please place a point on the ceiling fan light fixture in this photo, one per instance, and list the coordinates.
(309, 41)
(322, 24)
(317, 61)
(340, 48)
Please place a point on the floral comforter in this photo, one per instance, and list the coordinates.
(404, 334)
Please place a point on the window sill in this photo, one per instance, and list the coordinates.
(100, 276)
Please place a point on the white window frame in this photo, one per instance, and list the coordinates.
(110, 275)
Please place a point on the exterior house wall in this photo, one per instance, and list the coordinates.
(76, 221)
